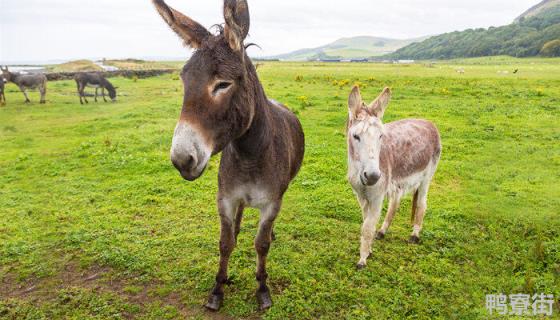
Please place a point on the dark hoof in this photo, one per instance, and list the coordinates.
(214, 302)
(380, 236)
(264, 299)
(414, 240)
(273, 236)
(360, 266)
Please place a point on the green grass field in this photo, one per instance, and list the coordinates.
(95, 223)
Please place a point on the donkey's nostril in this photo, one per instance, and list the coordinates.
(371, 178)
(183, 163)
(189, 162)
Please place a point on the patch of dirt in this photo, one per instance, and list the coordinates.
(97, 279)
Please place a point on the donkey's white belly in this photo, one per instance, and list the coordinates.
(252, 196)
(96, 86)
(409, 184)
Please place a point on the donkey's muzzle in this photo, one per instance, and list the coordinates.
(187, 167)
(370, 178)
(190, 165)
(189, 154)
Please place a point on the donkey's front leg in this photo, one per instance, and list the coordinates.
(262, 245)
(25, 94)
(371, 211)
(227, 243)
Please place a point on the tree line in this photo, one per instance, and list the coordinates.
(537, 35)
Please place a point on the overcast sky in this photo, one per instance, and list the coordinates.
(40, 30)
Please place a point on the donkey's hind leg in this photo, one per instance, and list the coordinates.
(82, 90)
(103, 94)
(394, 203)
(419, 206)
(96, 94)
(238, 219)
(43, 91)
(262, 246)
(79, 91)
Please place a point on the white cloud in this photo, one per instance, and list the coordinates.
(68, 29)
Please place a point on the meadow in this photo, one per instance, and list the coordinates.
(95, 223)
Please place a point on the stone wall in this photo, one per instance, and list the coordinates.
(56, 76)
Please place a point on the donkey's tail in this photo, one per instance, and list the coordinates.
(414, 207)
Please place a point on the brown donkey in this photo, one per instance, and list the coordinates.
(388, 160)
(226, 110)
(97, 81)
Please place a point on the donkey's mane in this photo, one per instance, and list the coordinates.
(220, 31)
(220, 27)
(247, 46)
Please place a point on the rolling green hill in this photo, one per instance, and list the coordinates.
(350, 48)
(537, 9)
(534, 33)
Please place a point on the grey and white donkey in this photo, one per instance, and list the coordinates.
(2, 94)
(388, 160)
(27, 81)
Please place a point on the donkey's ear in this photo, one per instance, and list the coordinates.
(379, 105)
(238, 20)
(354, 102)
(192, 33)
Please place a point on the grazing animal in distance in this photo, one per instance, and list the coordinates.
(27, 81)
(225, 110)
(97, 81)
(2, 94)
(390, 160)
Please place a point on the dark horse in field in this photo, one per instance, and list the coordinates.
(97, 81)
(226, 110)
(2, 95)
(27, 81)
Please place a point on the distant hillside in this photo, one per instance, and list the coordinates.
(537, 9)
(75, 66)
(530, 36)
(350, 48)
(137, 64)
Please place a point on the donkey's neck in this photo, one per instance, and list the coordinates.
(258, 136)
(14, 77)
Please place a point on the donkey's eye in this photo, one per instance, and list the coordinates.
(357, 138)
(221, 86)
